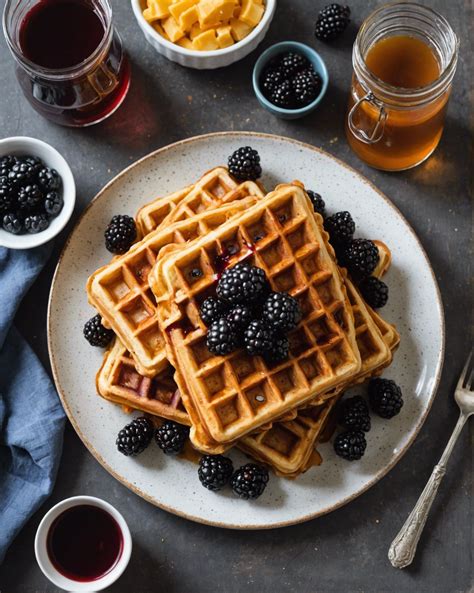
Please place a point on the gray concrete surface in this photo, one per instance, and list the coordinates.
(344, 552)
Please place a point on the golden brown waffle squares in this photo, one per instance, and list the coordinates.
(119, 382)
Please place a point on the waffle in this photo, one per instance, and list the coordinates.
(212, 190)
(121, 293)
(288, 446)
(119, 382)
(150, 216)
(214, 184)
(213, 194)
(235, 394)
(385, 259)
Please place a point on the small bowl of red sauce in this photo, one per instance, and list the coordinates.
(83, 543)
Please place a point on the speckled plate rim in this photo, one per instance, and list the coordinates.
(380, 474)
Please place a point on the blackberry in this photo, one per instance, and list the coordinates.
(135, 437)
(354, 414)
(48, 179)
(170, 437)
(306, 87)
(249, 481)
(120, 233)
(292, 63)
(7, 195)
(361, 257)
(29, 197)
(211, 309)
(374, 291)
(53, 203)
(350, 445)
(215, 471)
(12, 223)
(279, 350)
(332, 21)
(35, 161)
(270, 79)
(258, 338)
(239, 317)
(242, 284)
(96, 334)
(281, 312)
(21, 173)
(283, 95)
(221, 337)
(340, 227)
(244, 164)
(385, 397)
(6, 164)
(319, 205)
(36, 223)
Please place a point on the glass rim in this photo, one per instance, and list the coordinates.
(388, 91)
(56, 73)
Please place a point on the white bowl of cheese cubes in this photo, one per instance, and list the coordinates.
(204, 34)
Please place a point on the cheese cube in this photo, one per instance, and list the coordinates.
(186, 43)
(214, 12)
(188, 18)
(239, 29)
(172, 29)
(159, 29)
(196, 30)
(206, 41)
(224, 36)
(178, 8)
(251, 12)
(157, 9)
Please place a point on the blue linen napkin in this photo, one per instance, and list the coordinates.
(31, 417)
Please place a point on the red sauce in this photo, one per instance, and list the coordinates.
(84, 543)
(60, 33)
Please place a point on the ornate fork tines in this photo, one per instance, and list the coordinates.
(462, 383)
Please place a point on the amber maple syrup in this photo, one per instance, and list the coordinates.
(410, 132)
(403, 61)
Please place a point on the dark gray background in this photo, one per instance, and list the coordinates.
(345, 552)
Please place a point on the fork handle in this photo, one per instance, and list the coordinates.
(403, 548)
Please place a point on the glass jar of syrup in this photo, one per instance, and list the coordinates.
(69, 59)
(404, 60)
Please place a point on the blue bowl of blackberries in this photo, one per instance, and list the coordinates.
(290, 79)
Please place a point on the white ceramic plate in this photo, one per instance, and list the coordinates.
(171, 483)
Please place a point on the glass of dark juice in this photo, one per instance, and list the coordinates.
(69, 59)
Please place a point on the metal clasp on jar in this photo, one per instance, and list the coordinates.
(373, 136)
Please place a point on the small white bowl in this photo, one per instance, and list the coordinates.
(205, 60)
(23, 146)
(47, 567)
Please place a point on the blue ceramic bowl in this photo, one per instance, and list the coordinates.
(283, 47)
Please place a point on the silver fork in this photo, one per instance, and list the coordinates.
(403, 548)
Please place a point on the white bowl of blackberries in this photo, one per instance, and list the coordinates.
(37, 192)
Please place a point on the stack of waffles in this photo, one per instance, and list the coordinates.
(159, 362)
